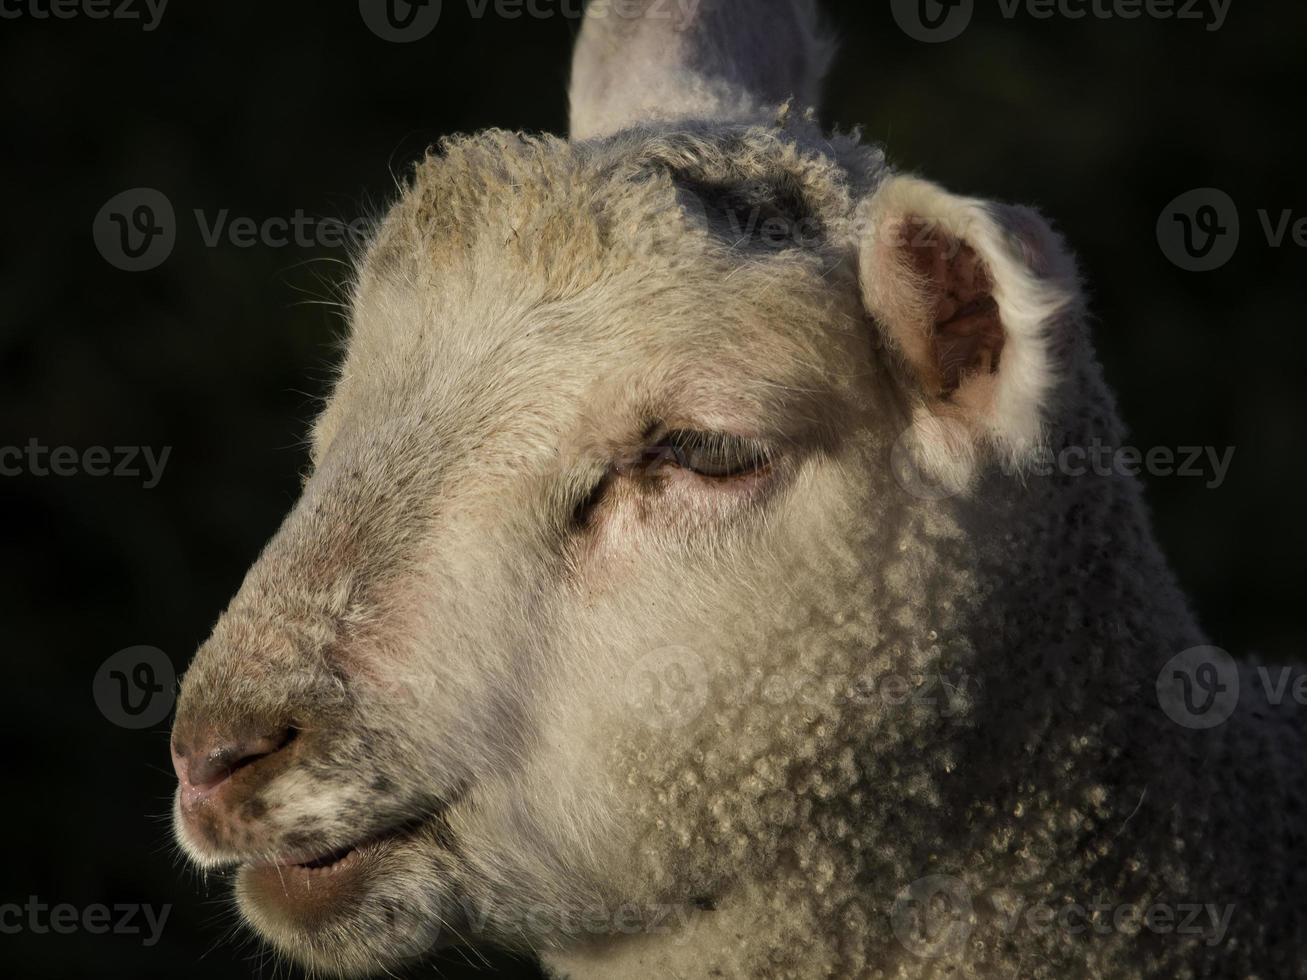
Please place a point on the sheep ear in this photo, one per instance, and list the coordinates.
(972, 297)
(677, 61)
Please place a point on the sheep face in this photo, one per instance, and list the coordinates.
(577, 431)
(586, 612)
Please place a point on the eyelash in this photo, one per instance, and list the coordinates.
(713, 455)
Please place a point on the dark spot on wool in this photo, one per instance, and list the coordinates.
(765, 214)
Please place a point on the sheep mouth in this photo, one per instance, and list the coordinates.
(334, 859)
(305, 893)
(351, 858)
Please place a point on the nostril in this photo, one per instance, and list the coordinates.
(202, 767)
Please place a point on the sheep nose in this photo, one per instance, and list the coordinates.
(207, 762)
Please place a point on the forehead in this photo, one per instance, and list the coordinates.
(663, 272)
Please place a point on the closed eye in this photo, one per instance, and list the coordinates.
(714, 455)
(683, 460)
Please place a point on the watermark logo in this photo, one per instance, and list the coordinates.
(667, 687)
(126, 919)
(410, 929)
(147, 12)
(1199, 230)
(1103, 916)
(136, 230)
(405, 21)
(400, 21)
(1199, 687)
(943, 696)
(1287, 681)
(565, 924)
(1207, 463)
(40, 460)
(932, 917)
(136, 687)
(923, 473)
(933, 21)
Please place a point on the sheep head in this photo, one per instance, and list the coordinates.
(664, 466)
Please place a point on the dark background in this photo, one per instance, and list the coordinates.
(220, 352)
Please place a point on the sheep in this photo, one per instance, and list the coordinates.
(673, 592)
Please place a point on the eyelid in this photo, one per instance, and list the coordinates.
(644, 465)
(708, 453)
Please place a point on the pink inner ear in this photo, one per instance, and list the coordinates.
(967, 334)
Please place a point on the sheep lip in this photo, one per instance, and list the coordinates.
(309, 893)
(333, 859)
(303, 892)
(310, 862)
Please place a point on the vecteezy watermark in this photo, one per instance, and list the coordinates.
(410, 929)
(921, 470)
(934, 917)
(147, 12)
(1207, 463)
(135, 687)
(1097, 917)
(667, 687)
(137, 229)
(125, 919)
(37, 459)
(1200, 230)
(405, 21)
(570, 923)
(400, 21)
(943, 696)
(759, 218)
(1201, 687)
(414, 928)
(935, 21)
